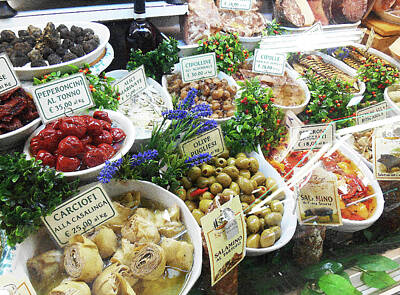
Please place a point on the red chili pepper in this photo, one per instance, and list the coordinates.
(198, 192)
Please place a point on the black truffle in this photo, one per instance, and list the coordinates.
(18, 59)
(67, 34)
(35, 32)
(89, 46)
(61, 27)
(77, 50)
(23, 47)
(51, 37)
(46, 52)
(77, 30)
(4, 46)
(69, 56)
(7, 36)
(38, 63)
(35, 55)
(23, 33)
(31, 40)
(67, 44)
(54, 59)
(79, 40)
(87, 32)
(60, 51)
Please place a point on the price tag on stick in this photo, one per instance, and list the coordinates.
(266, 62)
(63, 96)
(8, 77)
(198, 67)
(80, 214)
(132, 84)
(244, 5)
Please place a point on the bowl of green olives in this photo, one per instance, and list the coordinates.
(252, 178)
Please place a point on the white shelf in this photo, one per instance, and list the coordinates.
(92, 13)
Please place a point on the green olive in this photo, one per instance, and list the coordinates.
(224, 179)
(231, 161)
(253, 165)
(197, 214)
(225, 154)
(262, 191)
(218, 170)
(221, 162)
(235, 187)
(245, 185)
(201, 182)
(187, 184)
(277, 230)
(216, 188)
(247, 198)
(245, 206)
(277, 206)
(259, 177)
(207, 170)
(264, 211)
(232, 171)
(254, 182)
(191, 205)
(257, 201)
(273, 218)
(228, 192)
(253, 224)
(194, 173)
(204, 204)
(189, 192)
(262, 223)
(253, 241)
(211, 180)
(245, 173)
(242, 163)
(240, 155)
(271, 185)
(181, 193)
(267, 238)
(206, 196)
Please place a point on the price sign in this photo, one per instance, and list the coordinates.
(211, 142)
(312, 136)
(8, 78)
(235, 4)
(132, 84)
(80, 214)
(62, 96)
(13, 284)
(315, 28)
(266, 62)
(225, 234)
(198, 67)
(372, 113)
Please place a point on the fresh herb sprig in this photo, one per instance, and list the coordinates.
(157, 62)
(273, 29)
(256, 121)
(228, 50)
(28, 191)
(104, 94)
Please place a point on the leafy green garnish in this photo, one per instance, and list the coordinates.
(333, 284)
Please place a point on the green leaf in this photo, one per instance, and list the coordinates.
(333, 284)
(344, 275)
(377, 279)
(307, 291)
(376, 263)
(314, 272)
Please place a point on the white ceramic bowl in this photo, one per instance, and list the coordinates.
(393, 108)
(250, 43)
(289, 220)
(221, 75)
(27, 73)
(150, 191)
(91, 173)
(143, 135)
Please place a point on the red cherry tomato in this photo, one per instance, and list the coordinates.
(101, 115)
(94, 157)
(108, 150)
(70, 146)
(67, 164)
(47, 158)
(105, 125)
(49, 139)
(74, 126)
(86, 140)
(35, 145)
(94, 127)
(118, 134)
(104, 137)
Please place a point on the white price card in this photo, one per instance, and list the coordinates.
(198, 67)
(61, 97)
(80, 214)
(8, 77)
(312, 136)
(236, 4)
(372, 113)
(266, 62)
(131, 84)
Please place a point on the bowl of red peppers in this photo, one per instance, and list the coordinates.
(79, 145)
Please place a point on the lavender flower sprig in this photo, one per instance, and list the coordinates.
(207, 125)
(109, 170)
(141, 158)
(198, 159)
(188, 101)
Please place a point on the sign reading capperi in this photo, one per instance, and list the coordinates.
(62, 96)
(198, 67)
(8, 78)
(266, 62)
(372, 113)
(133, 83)
(80, 214)
(312, 136)
(211, 142)
(225, 234)
(235, 4)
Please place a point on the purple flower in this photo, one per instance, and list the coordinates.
(109, 170)
(140, 158)
(175, 114)
(188, 101)
(198, 159)
(207, 125)
(201, 111)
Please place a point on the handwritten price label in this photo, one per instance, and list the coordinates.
(63, 96)
(8, 78)
(266, 62)
(132, 84)
(236, 4)
(194, 68)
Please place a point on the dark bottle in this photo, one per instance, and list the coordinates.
(142, 34)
